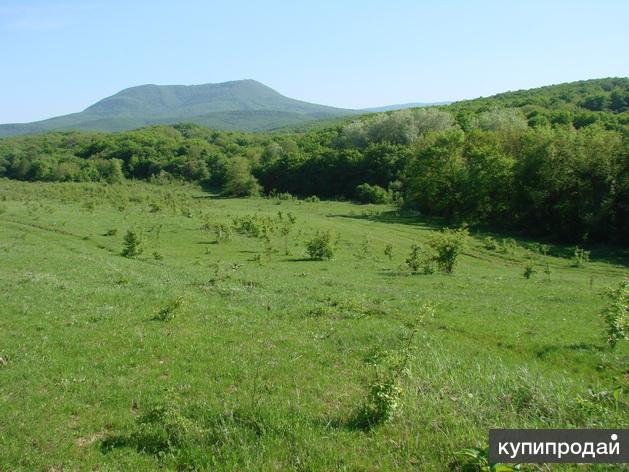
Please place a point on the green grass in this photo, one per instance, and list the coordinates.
(263, 359)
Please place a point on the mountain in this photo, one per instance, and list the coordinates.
(245, 105)
(402, 106)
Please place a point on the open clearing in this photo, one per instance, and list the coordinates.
(267, 355)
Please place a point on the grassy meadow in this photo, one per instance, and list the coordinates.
(219, 349)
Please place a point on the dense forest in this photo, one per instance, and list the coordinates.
(551, 162)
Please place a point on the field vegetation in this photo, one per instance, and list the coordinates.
(159, 325)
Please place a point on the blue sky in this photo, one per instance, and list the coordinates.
(58, 57)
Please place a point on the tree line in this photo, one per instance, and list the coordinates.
(543, 161)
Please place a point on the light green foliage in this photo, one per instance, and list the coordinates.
(616, 313)
(133, 244)
(238, 179)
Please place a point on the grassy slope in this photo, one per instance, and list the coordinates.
(274, 386)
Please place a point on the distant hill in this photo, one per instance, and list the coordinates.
(403, 106)
(245, 105)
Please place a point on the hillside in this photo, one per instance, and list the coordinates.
(245, 105)
(596, 95)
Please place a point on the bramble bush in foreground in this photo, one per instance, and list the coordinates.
(384, 391)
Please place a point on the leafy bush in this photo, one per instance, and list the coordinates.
(133, 244)
(420, 260)
(529, 269)
(366, 193)
(448, 244)
(223, 233)
(490, 243)
(581, 257)
(320, 247)
(239, 182)
(615, 313)
(363, 251)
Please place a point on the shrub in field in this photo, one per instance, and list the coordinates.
(363, 250)
(529, 269)
(286, 226)
(366, 193)
(581, 257)
(509, 246)
(222, 232)
(312, 199)
(157, 256)
(384, 391)
(615, 313)
(448, 244)
(490, 243)
(133, 245)
(167, 313)
(320, 247)
(255, 226)
(419, 260)
(388, 251)
(111, 232)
